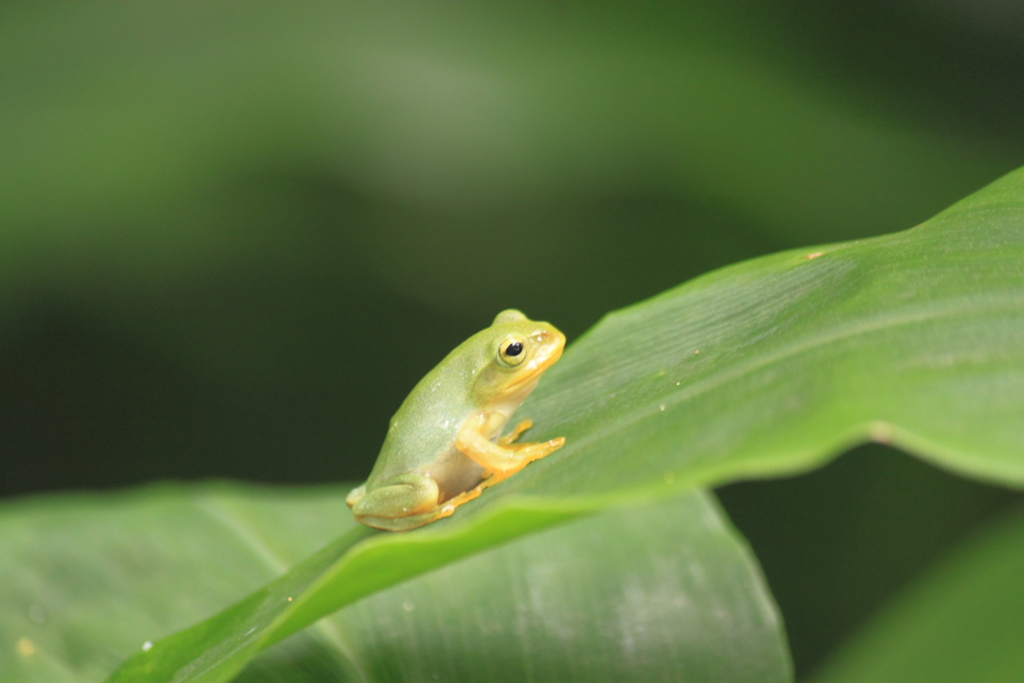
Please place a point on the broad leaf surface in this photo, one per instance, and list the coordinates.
(86, 580)
(962, 621)
(770, 366)
(657, 593)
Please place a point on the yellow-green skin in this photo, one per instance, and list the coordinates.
(441, 448)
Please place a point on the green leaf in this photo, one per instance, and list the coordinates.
(962, 621)
(641, 594)
(767, 367)
(84, 580)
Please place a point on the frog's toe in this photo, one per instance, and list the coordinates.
(355, 495)
(514, 434)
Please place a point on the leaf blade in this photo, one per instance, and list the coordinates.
(675, 591)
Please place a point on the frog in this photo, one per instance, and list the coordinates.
(444, 447)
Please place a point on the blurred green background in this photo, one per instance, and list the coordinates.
(232, 237)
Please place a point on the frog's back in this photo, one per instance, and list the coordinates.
(422, 433)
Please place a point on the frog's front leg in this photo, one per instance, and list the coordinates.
(402, 502)
(502, 459)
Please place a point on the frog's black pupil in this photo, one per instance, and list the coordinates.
(514, 349)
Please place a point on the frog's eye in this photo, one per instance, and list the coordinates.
(512, 351)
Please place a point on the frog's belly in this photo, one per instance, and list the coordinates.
(455, 473)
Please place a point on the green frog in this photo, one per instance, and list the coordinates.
(442, 447)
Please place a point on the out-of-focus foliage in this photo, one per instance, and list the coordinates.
(87, 579)
(230, 235)
(838, 542)
(962, 621)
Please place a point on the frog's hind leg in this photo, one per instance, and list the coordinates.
(397, 499)
(399, 496)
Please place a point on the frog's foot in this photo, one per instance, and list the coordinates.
(463, 497)
(409, 522)
(501, 459)
(522, 455)
(527, 453)
(514, 434)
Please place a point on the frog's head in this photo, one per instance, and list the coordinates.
(518, 352)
